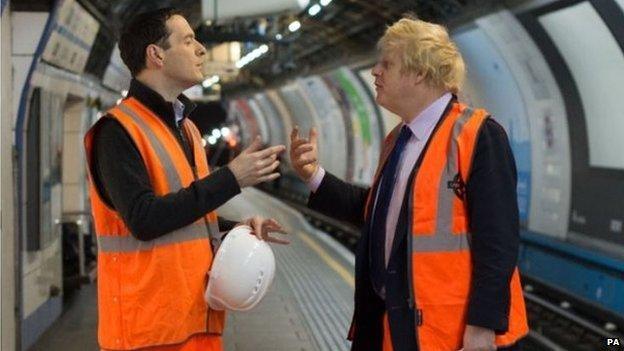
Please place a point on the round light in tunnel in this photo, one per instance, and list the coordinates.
(278, 36)
(325, 2)
(294, 26)
(212, 140)
(216, 133)
(225, 131)
(314, 9)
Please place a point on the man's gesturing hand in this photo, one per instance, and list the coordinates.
(261, 227)
(304, 153)
(255, 166)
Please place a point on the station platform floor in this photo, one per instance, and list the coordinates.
(308, 307)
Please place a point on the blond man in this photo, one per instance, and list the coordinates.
(436, 260)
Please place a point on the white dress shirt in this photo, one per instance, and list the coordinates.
(421, 128)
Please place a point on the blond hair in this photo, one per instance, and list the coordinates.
(425, 48)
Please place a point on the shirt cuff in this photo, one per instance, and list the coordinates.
(315, 181)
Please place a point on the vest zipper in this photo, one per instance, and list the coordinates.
(410, 205)
(196, 177)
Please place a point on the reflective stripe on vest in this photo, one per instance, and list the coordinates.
(172, 176)
(127, 243)
(444, 239)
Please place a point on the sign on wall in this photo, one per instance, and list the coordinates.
(72, 37)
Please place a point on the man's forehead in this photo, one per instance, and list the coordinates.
(178, 26)
(388, 54)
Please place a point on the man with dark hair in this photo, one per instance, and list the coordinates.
(154, 198)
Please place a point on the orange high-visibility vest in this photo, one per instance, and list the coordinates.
(150, 293)
(439, 257)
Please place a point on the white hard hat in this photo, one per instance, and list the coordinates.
(241, 273)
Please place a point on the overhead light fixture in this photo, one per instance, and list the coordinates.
(216, 133)
(210, 81)
(314, 9)
(294, 26)
(257, 52)
(278, 36)
(212, 140)
(325, 2)
(225, 131)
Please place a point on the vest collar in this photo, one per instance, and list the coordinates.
(157, 104)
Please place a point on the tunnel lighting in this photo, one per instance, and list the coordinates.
(216, 133)
(124, 93)
(314, 9)
(210, 81)
(119, 101)
(294, 26)
(225, 131)
(212, 140)
(257, 52)
(325, 2)
(278, 36)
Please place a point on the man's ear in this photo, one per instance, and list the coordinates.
(418, 77)
(154, 55)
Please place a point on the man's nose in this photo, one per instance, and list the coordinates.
(375, 70)
(201, 50)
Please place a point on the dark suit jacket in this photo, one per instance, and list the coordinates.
(493, 211)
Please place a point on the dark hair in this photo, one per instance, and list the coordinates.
(139, 32)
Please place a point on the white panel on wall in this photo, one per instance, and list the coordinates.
(332, 133)
(37, 281)
(21, 65)
(117, 76)
(72, 37)
(597, 65)
(548, 126)
(285, 118)
(278, 133)
(491, 85)
(265, 133)
(27, 30)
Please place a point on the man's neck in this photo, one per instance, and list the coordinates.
(166, 90)
(414, 107)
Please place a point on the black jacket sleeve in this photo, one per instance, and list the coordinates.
(493, 211)
(121, 177)
(340, 200)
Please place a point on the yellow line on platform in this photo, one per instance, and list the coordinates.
(333, 264)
